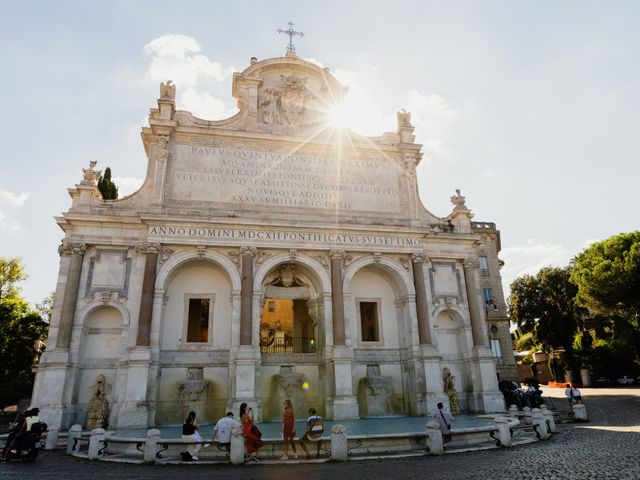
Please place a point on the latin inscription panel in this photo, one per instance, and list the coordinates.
(279, 180)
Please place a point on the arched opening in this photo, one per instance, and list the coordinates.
(194, 340)
(100, 350)
(288, 320)
(290, 338)
(379, 324)
(452, 340)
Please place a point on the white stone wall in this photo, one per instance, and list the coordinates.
(193, 279)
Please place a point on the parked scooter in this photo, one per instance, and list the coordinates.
(25, 445)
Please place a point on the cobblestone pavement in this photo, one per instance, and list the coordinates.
(606, 448)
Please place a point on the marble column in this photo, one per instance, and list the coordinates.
(422, 309)
(246, 299)
(148, 289)
(68, 311)
(478, 328)
(337, 297)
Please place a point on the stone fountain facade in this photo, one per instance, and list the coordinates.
(162, 292)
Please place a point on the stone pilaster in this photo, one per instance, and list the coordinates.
(341, 402)
(478, 327)
(337, 297)
(160, 155)
(485, 395)
(68, 311)
(246, 300)
(422, 308)
(148, 288)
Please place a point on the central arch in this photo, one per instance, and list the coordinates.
(290, 303)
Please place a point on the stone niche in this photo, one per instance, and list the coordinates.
(182, 390)
(296, 383)
(376, 394)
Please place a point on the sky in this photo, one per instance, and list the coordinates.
(530, 108)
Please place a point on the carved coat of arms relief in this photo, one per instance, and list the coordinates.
(287, 105)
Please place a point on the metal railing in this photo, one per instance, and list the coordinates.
(288, 344)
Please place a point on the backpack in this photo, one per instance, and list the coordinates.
(256, 431)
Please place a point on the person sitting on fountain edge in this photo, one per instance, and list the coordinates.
(222, 431)
(315, 429)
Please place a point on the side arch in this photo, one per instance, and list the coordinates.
(97, 305)
(179, 259)
(397, 271)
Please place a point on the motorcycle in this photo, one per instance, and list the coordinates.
(25, 445)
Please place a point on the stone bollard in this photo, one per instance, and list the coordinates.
(504, 432)
(537, 418)
(434, 439)
(52, 439)
(237, 446)
(339, 443)
(580, 413)
(96, 442)
(513, 411)
(526, 416)
(75, 432)
(151, 445)
(548, 414)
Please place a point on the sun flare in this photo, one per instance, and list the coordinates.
(338, 116)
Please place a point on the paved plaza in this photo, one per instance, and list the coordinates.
(605, 448)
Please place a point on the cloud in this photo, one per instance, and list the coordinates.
(176, 57)
(529, 258)
(433, 117)
(12, 200)
(205, 105)
(127, 185)
(8, 225)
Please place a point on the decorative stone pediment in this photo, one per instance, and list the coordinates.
(291, 93)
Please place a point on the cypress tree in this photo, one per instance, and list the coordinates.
(107, 188)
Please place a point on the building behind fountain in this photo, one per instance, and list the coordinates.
(271, 256)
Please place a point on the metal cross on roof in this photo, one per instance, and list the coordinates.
(291, 32)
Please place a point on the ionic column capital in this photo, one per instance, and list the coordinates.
(252, 251)
(337, 254)
(147, 247)
(470, 262)
(418, 257)
(72, 248)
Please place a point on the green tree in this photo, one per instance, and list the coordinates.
(11, 273)
(544, 305)
(22, 333)
(107, 188)
(45, 307)
(607, 275)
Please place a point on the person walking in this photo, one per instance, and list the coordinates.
(222, 431)
(313, 433)
(288, 429)
(568, 391)
(444, 419)
(252, 434)
(577, 396)
(244, 412)
(190, 434)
